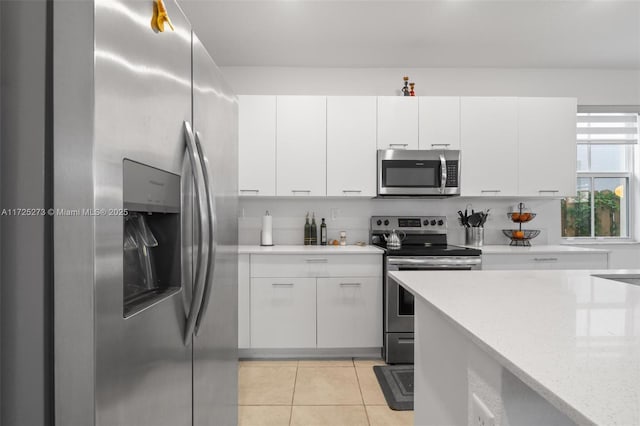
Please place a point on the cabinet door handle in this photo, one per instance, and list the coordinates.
(440, 144)
(317, 260)
(404, 145)
(405, 340)
(549, 190)
(250, 190)
(545, 259)
(350, 284)
(307, 191)
(490, 190)
(282, 284)
(346, 191)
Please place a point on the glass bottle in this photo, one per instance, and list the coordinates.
(323, 233)
(307, 231)
(314, 231)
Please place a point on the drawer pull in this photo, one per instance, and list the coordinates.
(490, 190)
(350, 284)
(440, 144)
(357, 191)
(405, 340)
(404, 145)
(545, 259)
(306, 191)
(250, 190)
(317, 260)
(549, 190)
(282, 284)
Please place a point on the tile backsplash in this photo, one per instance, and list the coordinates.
(352, 215)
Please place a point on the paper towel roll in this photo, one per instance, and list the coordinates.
(266, 236)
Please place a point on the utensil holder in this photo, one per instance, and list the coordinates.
(474, 236)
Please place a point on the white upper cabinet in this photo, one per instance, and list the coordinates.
(351, 146)
(489, 144)
(397, 122)
(257, 145)
(439, 122)
(301, 145)
(547, 146)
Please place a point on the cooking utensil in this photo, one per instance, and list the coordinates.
(484, 218)
(475, 219)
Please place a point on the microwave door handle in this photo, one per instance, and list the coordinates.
(443, 173)
(211, 217)
(200, 197)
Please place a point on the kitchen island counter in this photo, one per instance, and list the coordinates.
(511, 337)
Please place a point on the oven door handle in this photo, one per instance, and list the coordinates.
(443, 173)
(435, 262)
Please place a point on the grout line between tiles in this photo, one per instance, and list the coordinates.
(355, 370)
(293, 394)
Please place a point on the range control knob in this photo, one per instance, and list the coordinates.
(441, 222)
(426, 222)
(386, 222)
(433, 222)
(379, 222)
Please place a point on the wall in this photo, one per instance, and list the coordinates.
(352, 216)
(590, 86)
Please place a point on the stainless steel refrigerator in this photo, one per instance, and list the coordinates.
(119, 297)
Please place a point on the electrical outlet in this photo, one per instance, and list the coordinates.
(481, 416)
(334, 213)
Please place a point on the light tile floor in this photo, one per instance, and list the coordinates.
(307, 392)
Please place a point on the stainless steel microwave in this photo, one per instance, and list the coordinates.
(418, 173)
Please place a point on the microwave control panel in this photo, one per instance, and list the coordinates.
(452, 174)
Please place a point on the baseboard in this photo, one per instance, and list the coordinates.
(302, 353)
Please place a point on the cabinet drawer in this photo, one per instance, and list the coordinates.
(352, 265)
(545, 261)
(283, 313)
(349, 312)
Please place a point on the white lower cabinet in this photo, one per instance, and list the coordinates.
(349, 312)
(283, 313)
(311, 302)
(545, 261)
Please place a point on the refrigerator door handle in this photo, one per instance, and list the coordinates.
(212, 234)
(201, 212)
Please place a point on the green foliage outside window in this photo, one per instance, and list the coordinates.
(576, 215)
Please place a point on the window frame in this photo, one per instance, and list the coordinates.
(631, 174)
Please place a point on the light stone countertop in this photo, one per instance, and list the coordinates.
(301, 249)
(546, 249)
(571, 337)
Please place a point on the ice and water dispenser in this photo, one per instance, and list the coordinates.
(151, 236)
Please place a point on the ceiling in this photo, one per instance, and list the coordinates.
(427, 33)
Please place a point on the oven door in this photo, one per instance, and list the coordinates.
(416, 172)
(399, 307)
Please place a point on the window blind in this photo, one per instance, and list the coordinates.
(619, 128)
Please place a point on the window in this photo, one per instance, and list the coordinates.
(606, 142)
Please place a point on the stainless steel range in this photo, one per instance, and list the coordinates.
(423, 248)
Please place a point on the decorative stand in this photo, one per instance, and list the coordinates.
(521, 237)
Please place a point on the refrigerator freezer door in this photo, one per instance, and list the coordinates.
(215, 119)
(142, 98)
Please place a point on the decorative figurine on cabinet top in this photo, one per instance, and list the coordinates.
(405, 89)
(412, 92)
